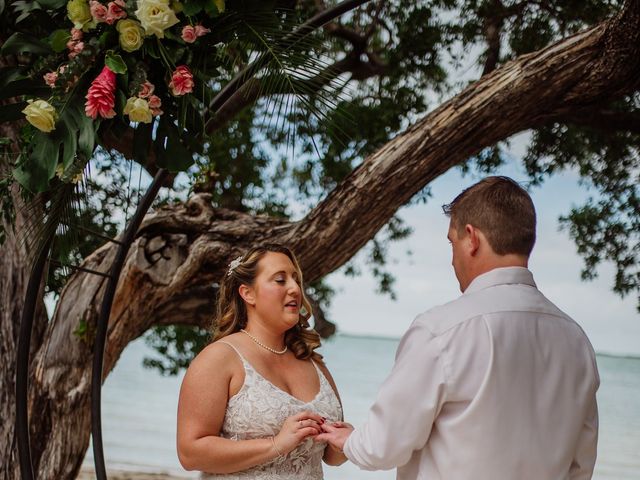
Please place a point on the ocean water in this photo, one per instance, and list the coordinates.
(139, 409)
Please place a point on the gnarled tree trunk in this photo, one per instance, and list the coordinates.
(181, 251)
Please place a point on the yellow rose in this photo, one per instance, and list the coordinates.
(41, 115)
(79, 13)
(138, 110)
(155, 16)
(131, 35)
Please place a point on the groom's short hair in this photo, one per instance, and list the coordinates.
(501, 209)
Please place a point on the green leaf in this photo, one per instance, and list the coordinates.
(23, 43)
(24, 8)
(115, 62)
(11, 74)
(86, 126)
(52, 4)
(58, 40)
(171, 152)
(121, 101)
(151, 49)
(193, 7)
(69, 133)
(2, 5)
(107, 37)
(25, 86)
(215, 6)
(12, 112)
(142, 142)
(46, 152)
(36, 171)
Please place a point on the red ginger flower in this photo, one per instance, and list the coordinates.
(101, 95)
(181, 81)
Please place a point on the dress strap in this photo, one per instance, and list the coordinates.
(244, 360)
(321, 376)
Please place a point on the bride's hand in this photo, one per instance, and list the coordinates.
(296, 429)
(335, 434)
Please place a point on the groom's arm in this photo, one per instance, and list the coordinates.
(401, 419)
(585, 456)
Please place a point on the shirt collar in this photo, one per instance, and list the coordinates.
(501, 276)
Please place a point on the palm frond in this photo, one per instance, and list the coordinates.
(291, 73)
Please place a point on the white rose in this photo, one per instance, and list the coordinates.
(155, 16)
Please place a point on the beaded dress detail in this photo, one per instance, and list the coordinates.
(259, 409)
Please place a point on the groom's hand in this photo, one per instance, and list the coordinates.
(335, 434)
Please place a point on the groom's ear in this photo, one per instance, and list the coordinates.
(247, 294)
(472, 239)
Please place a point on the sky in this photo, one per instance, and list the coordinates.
(425, 278)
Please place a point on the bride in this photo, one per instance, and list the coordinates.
(252, 402)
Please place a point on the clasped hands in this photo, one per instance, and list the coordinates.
(308, 424)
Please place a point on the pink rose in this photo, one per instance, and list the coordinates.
(200, 30)
(146, 89)
(76, 35)
(50, 79)
(181, 81)
(154, 104)
(77, 48)
(101, 95)
(189, 34)
(62, 69)
(115, 11)
(98, 11)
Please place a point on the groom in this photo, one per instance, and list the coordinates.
(498, 384)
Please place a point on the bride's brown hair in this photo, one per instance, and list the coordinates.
(231, 311)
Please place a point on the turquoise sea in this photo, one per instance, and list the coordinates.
(139, 409)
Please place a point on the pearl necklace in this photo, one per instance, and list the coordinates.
(272, 350)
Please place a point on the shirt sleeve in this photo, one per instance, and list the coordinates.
(585, 457)
(401, 419)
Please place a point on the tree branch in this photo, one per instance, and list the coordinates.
(493, 23)
(588, 68)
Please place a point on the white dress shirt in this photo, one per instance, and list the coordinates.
(498, 384)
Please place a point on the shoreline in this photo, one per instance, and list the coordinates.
(87, 473)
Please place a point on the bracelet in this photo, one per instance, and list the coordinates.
(273, 440)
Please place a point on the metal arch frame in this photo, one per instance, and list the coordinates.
(35, 278)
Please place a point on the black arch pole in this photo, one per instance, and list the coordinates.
(22, 361)
(103, 320)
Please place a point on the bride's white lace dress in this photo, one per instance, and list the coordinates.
(259, 409)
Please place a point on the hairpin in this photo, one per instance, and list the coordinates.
(234, 264)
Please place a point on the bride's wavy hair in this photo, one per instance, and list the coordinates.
(231, 311)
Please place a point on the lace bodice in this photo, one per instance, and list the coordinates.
(259, 409)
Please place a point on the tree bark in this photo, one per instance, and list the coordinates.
(15, 264)
(181, 251)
